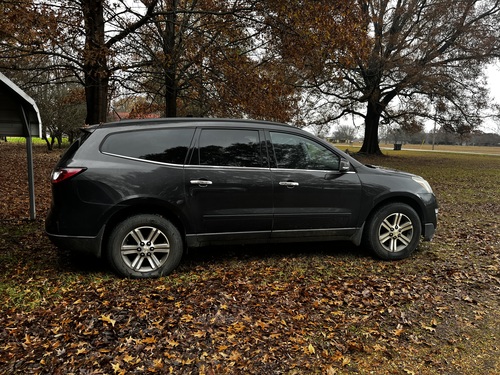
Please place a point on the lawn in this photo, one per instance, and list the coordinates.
(327, 308)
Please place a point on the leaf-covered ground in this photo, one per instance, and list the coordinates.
(327, 308)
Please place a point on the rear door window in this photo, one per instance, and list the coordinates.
(160, 145)
(229, 148)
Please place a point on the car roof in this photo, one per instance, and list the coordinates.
(190, 121)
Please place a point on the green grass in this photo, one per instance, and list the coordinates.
(36, 141)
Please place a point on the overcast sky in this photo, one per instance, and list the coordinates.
(494, 84)
(494, 80)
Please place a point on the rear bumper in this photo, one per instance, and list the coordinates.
(81, 244)
(72, 232)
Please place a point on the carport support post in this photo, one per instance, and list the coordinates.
(31, 180)
(29, 155)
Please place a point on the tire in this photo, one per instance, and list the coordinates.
(145, 246)
(394, 231)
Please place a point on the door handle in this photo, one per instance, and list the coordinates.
(202, 183)
(289, 184)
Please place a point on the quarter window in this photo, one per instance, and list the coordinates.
(229, 147)
(162, 145)
(296, 152)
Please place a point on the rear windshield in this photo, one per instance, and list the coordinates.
(161, 145)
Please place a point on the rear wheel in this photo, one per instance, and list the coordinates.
(145, 246)
(394, 231)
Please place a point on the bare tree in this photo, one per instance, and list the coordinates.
(345, 133)
(418, 50)
(62, 109)
(423, 50)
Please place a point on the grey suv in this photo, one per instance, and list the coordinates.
(141, 192)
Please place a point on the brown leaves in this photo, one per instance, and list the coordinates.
(315, 308)
(107, 319)
(313, 34)
(26, 24)
(14, 180)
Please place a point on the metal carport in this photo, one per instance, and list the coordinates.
(19, 117)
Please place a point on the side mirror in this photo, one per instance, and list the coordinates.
(345, 166)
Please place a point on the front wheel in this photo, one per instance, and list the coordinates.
(394, 231)
(145, 246)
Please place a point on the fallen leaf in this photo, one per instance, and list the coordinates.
(428, 328)
(107, 319)
(311, 349)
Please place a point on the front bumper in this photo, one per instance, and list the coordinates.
(429, 230)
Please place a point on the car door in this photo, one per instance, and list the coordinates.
(229, 184)
(311, 195)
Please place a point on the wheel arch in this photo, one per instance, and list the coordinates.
(140, 207)
(413, 202)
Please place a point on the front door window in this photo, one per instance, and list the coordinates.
(310, 193)
(295, 152)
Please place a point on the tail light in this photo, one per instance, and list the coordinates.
(62, 174)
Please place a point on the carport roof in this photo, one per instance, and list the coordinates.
(19, 115)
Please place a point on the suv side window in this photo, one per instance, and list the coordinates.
(161, 145)
(229, 148)
(296, 152)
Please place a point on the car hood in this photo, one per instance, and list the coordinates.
(389, 171)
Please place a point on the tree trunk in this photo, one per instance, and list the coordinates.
(170, 96)
(170, 78)
(96, 92)
(95, 64)
(370, 143)
(49, 146)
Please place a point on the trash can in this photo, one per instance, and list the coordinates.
(397, 146)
